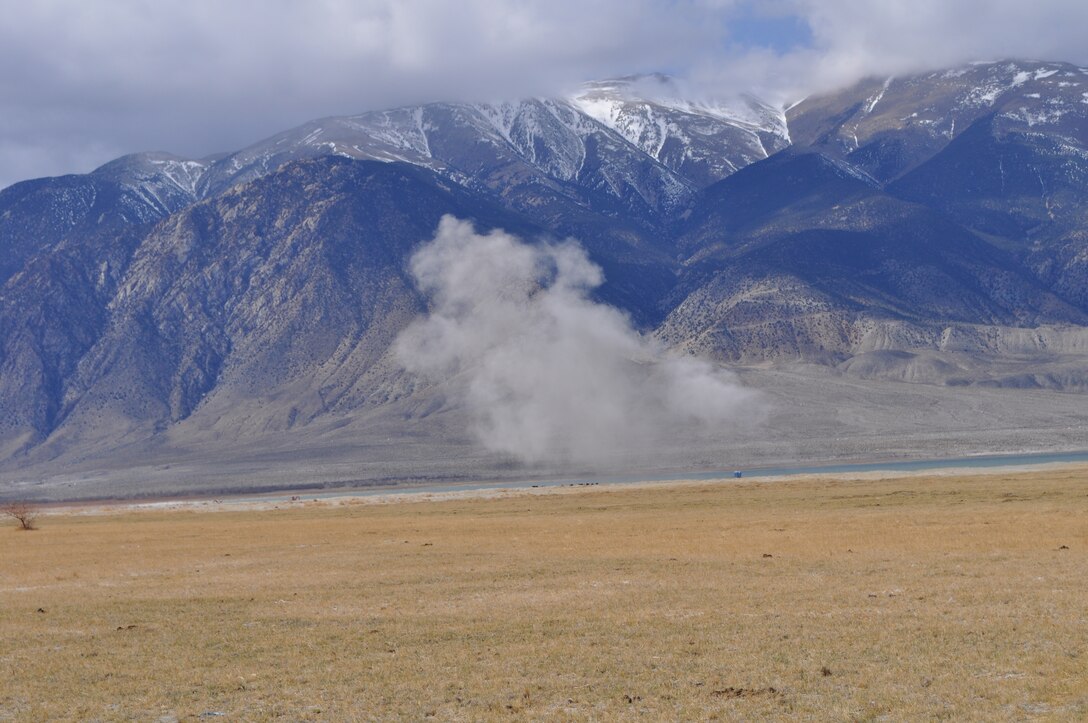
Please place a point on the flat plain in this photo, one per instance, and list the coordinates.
(930, 596)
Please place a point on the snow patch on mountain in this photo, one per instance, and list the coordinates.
(386, 135)
(1003, 78)
(185, 174)
(847, 169)
(707, 139)
(875, 98)
(628, 105)
(1036, 117)
(548, 134)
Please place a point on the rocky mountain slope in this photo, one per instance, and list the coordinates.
(929, 216)
(926, 229)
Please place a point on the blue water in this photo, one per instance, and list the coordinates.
(981, 461)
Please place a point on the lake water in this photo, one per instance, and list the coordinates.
(981, 462)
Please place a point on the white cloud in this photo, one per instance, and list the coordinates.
(81, 82)
(852, 39)
(202, 76)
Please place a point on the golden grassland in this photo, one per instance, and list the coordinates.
(923, 597)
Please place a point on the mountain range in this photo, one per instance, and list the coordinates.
(929, 229)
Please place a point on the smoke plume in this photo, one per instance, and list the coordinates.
(546, 373)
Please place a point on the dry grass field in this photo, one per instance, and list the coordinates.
(922, 597)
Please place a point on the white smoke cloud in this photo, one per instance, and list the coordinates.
(546, 373)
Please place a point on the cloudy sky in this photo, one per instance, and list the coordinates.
(81, 83)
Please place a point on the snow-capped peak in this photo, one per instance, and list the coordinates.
(182, 172)
(703, 137)
(599, 98)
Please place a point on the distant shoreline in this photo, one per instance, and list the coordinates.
(391, 494)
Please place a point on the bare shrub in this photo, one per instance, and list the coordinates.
(25, 512)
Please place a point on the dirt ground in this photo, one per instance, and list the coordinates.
(963, 597)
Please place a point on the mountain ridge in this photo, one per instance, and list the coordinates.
(924, 230)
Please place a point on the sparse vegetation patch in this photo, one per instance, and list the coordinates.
(25, 513)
